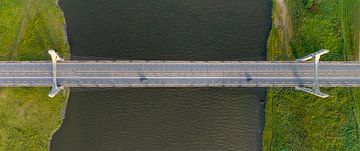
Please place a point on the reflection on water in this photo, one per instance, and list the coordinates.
(165, 118)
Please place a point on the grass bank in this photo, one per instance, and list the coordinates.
(28, 28)
(298, 121)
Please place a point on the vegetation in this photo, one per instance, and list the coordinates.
(298, 121)
(28, 28)
(308, 4)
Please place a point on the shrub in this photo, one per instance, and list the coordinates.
(308, 4)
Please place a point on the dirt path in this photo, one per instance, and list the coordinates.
(357, 29)
(283, 9)
(21, 29)
(283, 24)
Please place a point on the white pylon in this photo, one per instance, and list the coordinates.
(54, 58)
(316, 89)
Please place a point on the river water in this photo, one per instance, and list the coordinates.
(165, 118)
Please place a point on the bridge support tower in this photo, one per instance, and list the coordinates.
(54, 58)
(316, 89)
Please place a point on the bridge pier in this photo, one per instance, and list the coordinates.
(54, 58)
(316, 89)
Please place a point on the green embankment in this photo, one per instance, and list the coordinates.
(298, 121)
(28, 28)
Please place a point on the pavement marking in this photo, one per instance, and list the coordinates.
(260, 73)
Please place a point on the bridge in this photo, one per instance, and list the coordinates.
(299, 74)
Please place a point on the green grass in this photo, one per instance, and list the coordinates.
(28, 28)
(298, 121)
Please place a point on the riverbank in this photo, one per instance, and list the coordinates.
(28, 117)
(298, 121)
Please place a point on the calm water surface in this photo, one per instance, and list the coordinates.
(165, 118)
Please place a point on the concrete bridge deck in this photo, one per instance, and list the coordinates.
(179, 74)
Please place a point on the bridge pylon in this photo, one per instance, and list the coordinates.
(316, 88)
(54, 58)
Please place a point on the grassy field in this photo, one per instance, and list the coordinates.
(298, 121)
(28, 28)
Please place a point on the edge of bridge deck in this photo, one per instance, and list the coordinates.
(178, 62)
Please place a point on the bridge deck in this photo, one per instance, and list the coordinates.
(179, 74)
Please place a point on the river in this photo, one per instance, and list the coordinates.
(165, 118)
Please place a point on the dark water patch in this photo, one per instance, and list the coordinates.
(168, 30)
(162, 119)
(165, 118)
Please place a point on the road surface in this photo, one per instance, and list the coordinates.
(179, 74)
